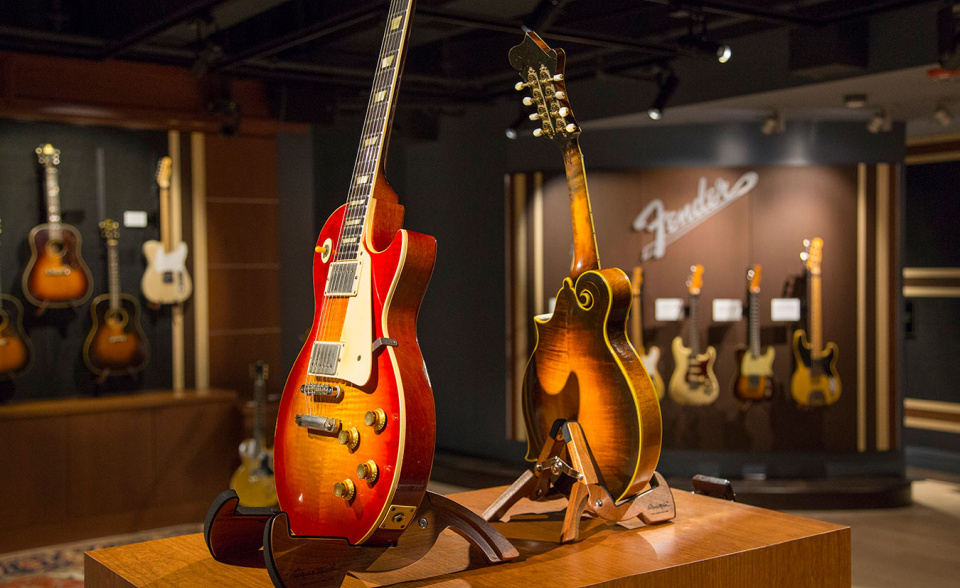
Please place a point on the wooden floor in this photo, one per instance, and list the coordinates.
(918, 545)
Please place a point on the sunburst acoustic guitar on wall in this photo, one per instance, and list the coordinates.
(56, 275)
(815, 381)
(650, 356)
(583, 366)
(165, 280)
(356, 425)
(16, 352)
(693, 380)
(754, 377)
(116, 343)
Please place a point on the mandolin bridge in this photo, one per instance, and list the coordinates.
(343, 278)
(324, 358)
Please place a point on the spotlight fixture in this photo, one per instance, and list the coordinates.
(880, 122)
(698, 41)
(942, 115)
(668, 85)
(855, 100)
(773, 123)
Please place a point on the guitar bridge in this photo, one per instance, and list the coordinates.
(325, 425)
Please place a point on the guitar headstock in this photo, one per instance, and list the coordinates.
(259, 370)
(813, 254)
(753, 276)
(542, 70)
(110, 230)
(164, 168)
(47, 156)
(637, 281)
(695, 281)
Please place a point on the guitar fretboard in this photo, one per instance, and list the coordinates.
(694, 327)
(52, 186)
(376, 128)
(754, 324)
(113, 266)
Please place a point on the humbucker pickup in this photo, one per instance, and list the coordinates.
(324, 358)
(343, 278)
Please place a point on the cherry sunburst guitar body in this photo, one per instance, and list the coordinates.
(356, 426)
(583, 367)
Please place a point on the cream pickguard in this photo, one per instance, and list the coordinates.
(166, 280)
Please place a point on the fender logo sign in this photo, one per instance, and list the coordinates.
(669, 225)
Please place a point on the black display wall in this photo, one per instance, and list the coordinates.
(57, 335)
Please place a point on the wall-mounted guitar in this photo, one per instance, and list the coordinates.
(754, 377)
(583, 367)
(693, 381)
(165, 280)
(356, 424)
(116, 344)
(55, 276)
(16, 352)
(815, 381)
(649, 355)
(253, 480)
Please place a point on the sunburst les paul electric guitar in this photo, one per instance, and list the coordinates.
(116, 344)
(253, 481)
(16, 352)
(815, 381)
(583, 367)
(650, 356)
(56, 275)
(356, 424)
(693, 380)
(754, 377)
(166, 280)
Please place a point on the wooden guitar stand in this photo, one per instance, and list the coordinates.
(235, 536)
(565, 462)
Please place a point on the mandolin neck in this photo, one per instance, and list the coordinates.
(376, 127)
(585, 257)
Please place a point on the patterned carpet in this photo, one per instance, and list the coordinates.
(61, 566)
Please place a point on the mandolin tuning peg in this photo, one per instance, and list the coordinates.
(537, 132)
(564, 111)
(560, 94)
(534, 116)
(558, 78)
(571, 127)
(518, 86)
(528, 101)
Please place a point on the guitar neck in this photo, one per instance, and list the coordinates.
(585, 256)
(694, 325)
(754, 322)
(376, 127)
(816, 317)
(259, 395)
(636, 320)
(113, 274)
(166, 226)
(52, 198)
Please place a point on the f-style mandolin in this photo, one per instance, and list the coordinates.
(583, 367)
(356, 424)
(55, 276)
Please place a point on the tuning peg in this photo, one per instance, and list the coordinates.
(571, 127)
(564, 111)
(537, 132)
(806, 242)
(519, 86)
(560, 94)
(558, 78)
(528, 101)
(534, 116)
(804, 256)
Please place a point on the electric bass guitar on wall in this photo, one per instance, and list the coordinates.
(650, 355)
(55, 276)
(116, 344)
(253, 480)
(693, 380)
(356, 425)
(815, 381)
(754, 377)
(166, 280)
(16, 352)
(583, 367)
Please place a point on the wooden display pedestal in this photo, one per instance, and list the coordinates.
(709, 543)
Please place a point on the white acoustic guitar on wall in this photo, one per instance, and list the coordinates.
(166, 280)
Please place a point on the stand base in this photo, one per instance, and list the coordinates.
(235, 536)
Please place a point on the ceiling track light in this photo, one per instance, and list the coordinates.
(668, 85)
(880, 123)
(774, 123)
(698, 41)
(942, 115)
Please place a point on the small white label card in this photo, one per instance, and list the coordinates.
(668, 309)
(785, 309)
(134, 218)
(727, 310)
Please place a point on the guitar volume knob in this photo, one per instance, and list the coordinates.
(345, 490)
(368, 471)
(349, 437)
(376, 418)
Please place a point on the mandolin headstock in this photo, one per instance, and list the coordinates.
(542, 71)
